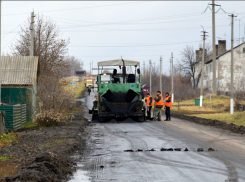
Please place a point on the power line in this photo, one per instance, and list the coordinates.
(76, 8)
(13, 29)
(137, 45)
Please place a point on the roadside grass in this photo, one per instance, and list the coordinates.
(218, 104)
(238, 118)
(7, 139)
(30, 124)
(74, 91)
(4, 158)
(217, 109)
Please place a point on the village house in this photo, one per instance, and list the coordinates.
(223, 67)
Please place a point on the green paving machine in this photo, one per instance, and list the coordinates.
(119, 94)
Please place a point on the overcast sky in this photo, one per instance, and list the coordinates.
(136, 30)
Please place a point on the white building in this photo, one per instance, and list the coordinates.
(223, 69)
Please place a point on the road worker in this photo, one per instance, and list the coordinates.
(89, 90)
(159, 105)
(95, 102)
(141, 92)
(149, 104)
(168, 104)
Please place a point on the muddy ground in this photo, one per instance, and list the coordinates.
(44, 153)
(215, 123)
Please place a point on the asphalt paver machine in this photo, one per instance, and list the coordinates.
(119, 93)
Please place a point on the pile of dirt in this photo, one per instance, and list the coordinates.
(44, 153)
(215, 123)
(45, 167)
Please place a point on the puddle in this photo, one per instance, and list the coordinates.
(80, 175)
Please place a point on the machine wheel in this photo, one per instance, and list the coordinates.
(139, 119)
(102, 119)
(94, 116)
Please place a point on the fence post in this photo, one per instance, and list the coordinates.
(2, 122)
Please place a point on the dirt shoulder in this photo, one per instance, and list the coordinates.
(44, 153)
(215, 123)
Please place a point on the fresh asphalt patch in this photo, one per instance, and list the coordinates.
(169, 149)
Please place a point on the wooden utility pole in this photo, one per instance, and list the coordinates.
(172, 58)
(232, 40)
(214, 48)
(202, 71)
(32, 34)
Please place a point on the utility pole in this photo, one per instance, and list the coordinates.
(239, 31)
(172, 78)
(0, 51)
(214, 48)
(170, 61)
(150, 76)
(90, 69)
(32, 34)
(232, 40)
(203, 53)
(144, 67)
(161, 74)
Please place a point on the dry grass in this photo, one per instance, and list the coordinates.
(7, 139)
(218, 104)
(74, 91)
(238, 118)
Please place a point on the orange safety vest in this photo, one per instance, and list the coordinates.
(160, 102)
(148, 101)
(168, 104)
(96, 99)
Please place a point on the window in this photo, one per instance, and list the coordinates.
(207, 68)
(210, 67)
(244, 50)
(216, 81)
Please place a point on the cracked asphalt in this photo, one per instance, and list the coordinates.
(106, 159)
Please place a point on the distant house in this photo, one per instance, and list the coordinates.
(223, 68)
(223, 65)
(19, 80)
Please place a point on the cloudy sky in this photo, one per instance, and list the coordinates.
(136, 30)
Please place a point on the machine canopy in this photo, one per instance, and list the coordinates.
(119, 62)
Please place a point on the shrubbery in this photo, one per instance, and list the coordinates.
(49, 118)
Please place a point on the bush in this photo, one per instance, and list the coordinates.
(49, 118)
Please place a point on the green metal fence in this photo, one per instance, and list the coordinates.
(14, 115)
(13, 96)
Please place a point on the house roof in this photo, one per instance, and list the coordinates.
(19, 70)
(217, 57)
(119, 62)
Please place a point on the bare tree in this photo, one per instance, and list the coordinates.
(48, 46)
(74, 65)
(191, 62)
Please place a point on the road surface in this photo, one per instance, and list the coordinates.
(107, 160)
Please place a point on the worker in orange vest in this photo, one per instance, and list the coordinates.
(159, 105)
(168, 104)
(149, 104)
